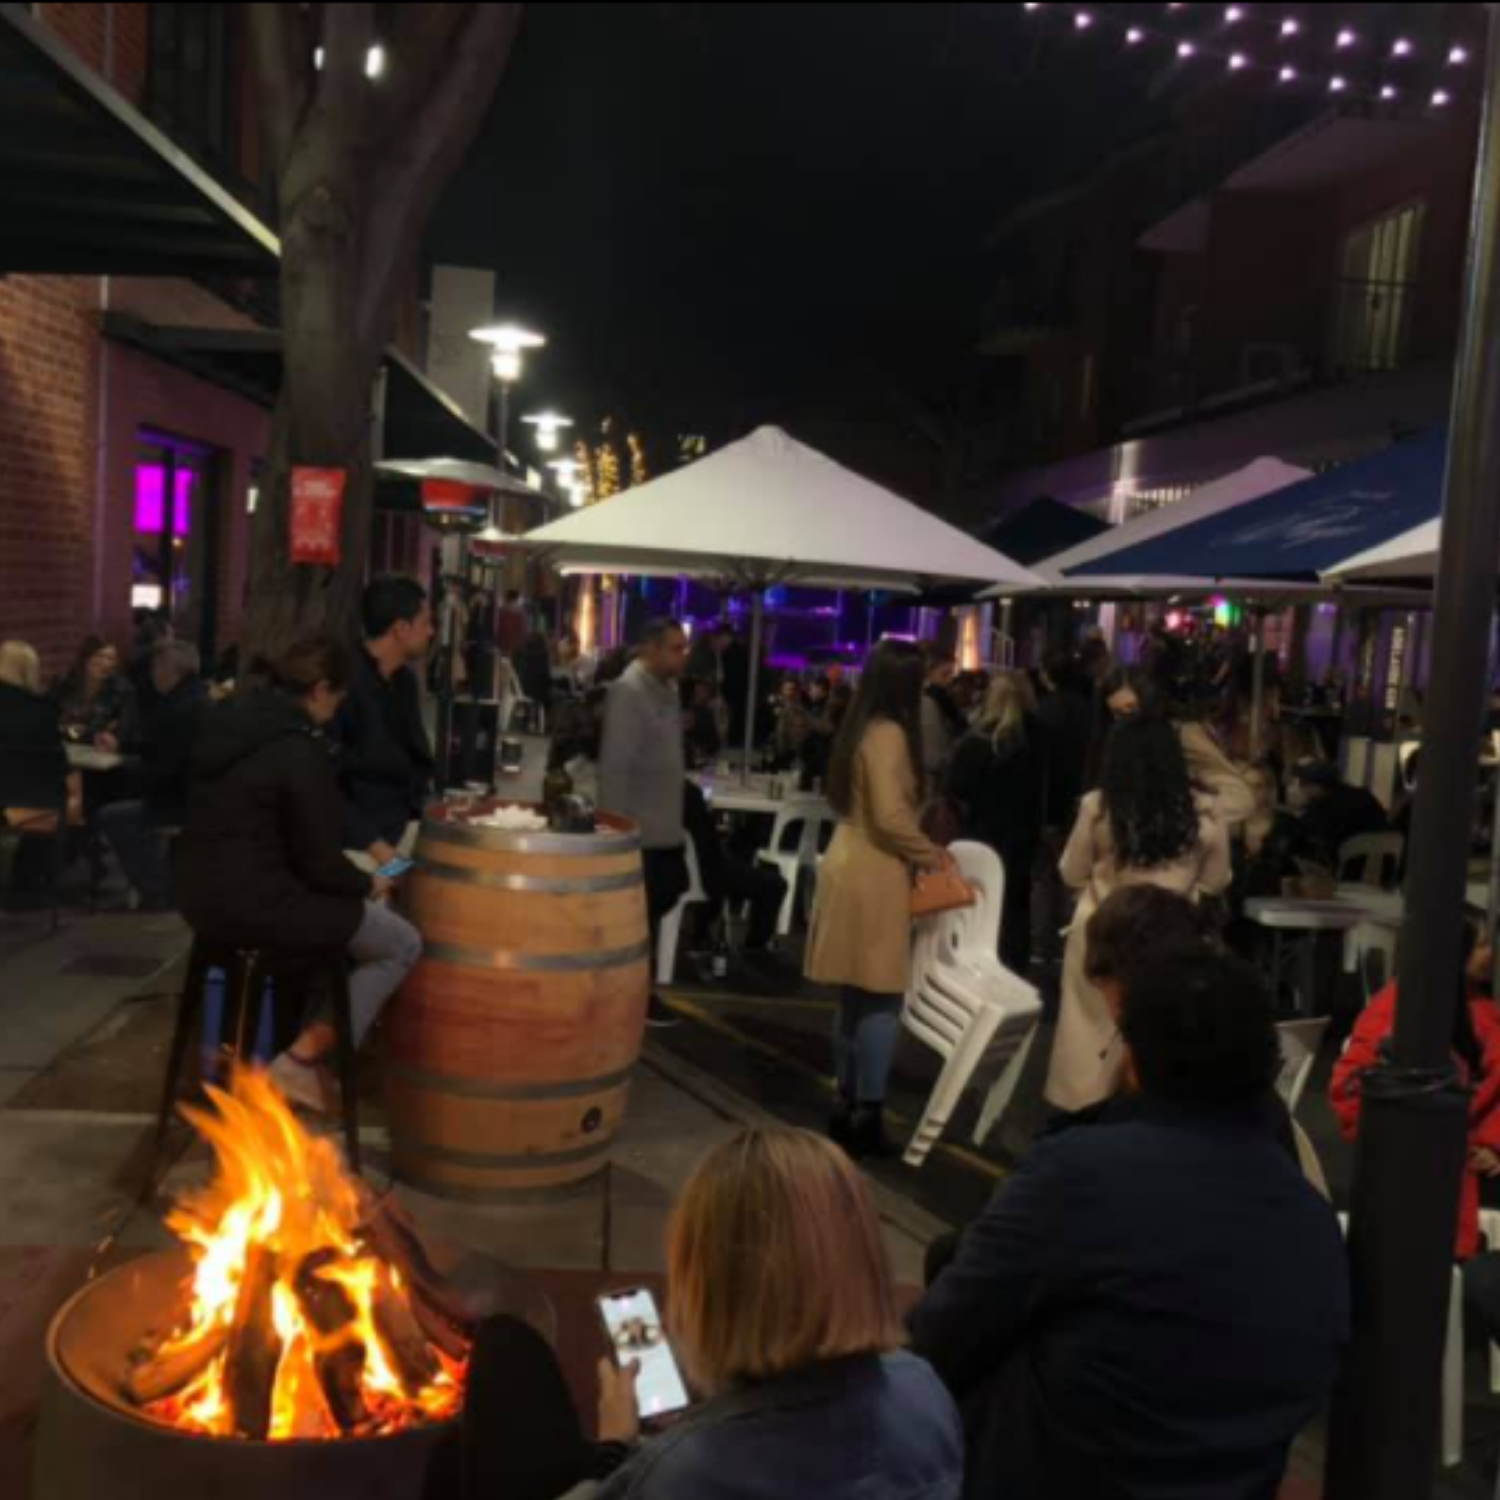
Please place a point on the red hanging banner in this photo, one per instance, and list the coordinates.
(317, 515)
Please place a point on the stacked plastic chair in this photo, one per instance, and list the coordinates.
(966, 1005)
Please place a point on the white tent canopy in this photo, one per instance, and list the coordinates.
(1413, 554)
(1257, 478)
(769, 510)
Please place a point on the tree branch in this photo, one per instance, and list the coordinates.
(420, 155)
(281, 44)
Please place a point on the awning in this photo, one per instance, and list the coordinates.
(421, 421)
(89, 187)
(1303, 530)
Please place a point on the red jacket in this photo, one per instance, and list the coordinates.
(1363, 1052)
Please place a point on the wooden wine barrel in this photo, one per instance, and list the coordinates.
(513, 1040)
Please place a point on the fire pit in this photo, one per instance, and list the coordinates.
(299, 1342)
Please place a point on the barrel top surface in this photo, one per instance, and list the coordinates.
(612, 833)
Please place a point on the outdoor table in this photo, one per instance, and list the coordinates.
(731, 795)
(1305, 918)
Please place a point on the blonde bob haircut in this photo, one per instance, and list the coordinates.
(19, 666)
(775, 1261)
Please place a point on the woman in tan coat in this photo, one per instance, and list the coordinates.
(861, 926)
(1143, 826)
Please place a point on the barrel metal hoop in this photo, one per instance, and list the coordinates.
(509, 841)
(537, 963)
(478, 1088)
(588, 885)
(480, 1161)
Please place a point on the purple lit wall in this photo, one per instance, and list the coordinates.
(150, 509)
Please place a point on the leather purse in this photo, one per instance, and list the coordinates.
(935, 891)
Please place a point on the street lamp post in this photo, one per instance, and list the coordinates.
(509, 343)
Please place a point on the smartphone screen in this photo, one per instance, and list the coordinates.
(396, 868)
(635, 1333)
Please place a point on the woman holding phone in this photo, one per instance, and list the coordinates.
(861, 925)
(261, 864)
(782, 1317)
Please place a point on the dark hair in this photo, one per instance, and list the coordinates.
(890, 688)
(656, 631)
(1135, 923)
(1200, 1028)
(1465, 1042)
(298, 669)
(1146, 794)
(387, 601)
(91, 646)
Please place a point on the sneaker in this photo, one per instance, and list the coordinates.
(659, 1014)
(305, 1085)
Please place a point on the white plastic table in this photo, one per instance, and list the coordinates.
(91, 758)
(731, 795)
(1305, 919)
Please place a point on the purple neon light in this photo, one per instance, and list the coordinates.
(150, 509)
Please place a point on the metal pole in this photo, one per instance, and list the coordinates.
(757, 625)
(1258, 680)
(1383, 1434)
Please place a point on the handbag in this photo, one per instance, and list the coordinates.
(936, 891)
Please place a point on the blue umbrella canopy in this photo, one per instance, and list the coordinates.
(1304, 530)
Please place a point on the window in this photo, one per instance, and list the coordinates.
(1375, 292)
(174, 551)
(191, 82)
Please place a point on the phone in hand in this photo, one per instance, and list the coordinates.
(635, 1332)
(394, 869)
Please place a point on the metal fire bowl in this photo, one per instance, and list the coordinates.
(92, 1444)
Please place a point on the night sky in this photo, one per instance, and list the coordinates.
(729, 214)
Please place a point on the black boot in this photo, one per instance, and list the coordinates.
(839, 1121)
(867, 1137)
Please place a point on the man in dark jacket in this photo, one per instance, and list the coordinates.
(386, 761)
(1152, 1307)
(1336, 811)
(138, 829)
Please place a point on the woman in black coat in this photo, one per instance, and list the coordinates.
(261, 864)
(34, 778)
(998, 778)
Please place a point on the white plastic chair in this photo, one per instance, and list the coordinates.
(1365, 858)
(1489, 1227)
(793, 849)
(1453, 1367)
(1300, 1041)
(671, 924)
(966, 1005)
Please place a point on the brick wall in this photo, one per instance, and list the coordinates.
(111, 39)
(48, 460)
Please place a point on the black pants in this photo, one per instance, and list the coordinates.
(764, 889)
(520, 1436)
(666, 884)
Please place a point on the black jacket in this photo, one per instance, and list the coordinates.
(261, 862)
(33, 765)
(385, 758)
(1067, 719)
(1149, 1309)
(170, 729)
(1001, 794)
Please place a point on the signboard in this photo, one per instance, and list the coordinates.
(317, 515)
(449, 504)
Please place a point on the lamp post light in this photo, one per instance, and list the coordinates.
(548, 424)
(509, 341)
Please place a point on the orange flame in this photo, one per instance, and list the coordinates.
(280, 1189)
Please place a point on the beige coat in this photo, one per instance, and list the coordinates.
(1211, 769)
(1086, 1055)
(861, 925)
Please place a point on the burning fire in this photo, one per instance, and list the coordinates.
(297, 1325)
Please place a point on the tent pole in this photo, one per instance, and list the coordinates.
(1409, 1160)
(757, 627)
(1258, 681)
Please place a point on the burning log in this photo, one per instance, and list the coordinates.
(159, 1369)
(393, 1238)
(254, 1348)
(403, 1336)
(339, 1357)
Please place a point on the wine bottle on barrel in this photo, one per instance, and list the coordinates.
(556, 786)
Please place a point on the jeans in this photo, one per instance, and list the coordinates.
(385, 949)
(866, 1028)
(140, 848)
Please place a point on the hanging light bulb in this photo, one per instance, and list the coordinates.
(1082, 21)
(1457, 55)
(1388, 92)
(1401, 47)
(1287, 75)
(1337, 84)
(1441, 98)
(1233, 14)
(1185, 49)
(1346, 39)
(1134, 37)
(1291, 27)
(1238, 61)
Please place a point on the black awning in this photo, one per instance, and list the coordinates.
(420, 420)
(89, 187)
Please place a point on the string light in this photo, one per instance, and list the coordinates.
(1233, 14)
(1291, 27)
(1185, 49)
(1134, 37)
(1441, 98)
(1346, 39)
(1401, 48)
(1458, 55)
(1287, 75)
(1237, 61)
(1337, 85)
(1388, 91)
(1083, 20)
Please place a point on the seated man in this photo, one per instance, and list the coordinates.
(1335, 811)
(137, 829)
(727, 879)
(1156, 1305)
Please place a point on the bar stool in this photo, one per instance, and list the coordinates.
(247, 972)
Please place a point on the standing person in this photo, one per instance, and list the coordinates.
(1157, 1305)
(734, 682)
(1144, 825)
(943, 723)
(998, 780)
(261, 864)
(1067, 718)
(386, 762)
(642, 766)
(861, 925)
(511, 628)
(135, 828)
(534, 668)
(33, 764)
